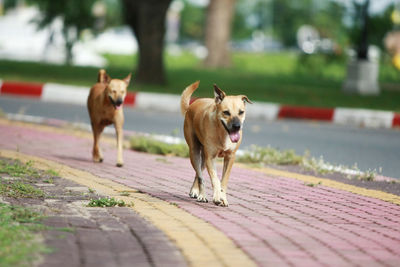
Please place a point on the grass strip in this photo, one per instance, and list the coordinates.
(19, 244)
(255, 156)
(153, 146)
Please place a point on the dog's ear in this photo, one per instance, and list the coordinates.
(103, 77)
(127, 79)
(219, 94)
(246, 99)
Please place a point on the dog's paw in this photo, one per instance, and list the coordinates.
(120, 164)
(224, 202)
(98, 160)
(202, 199)
(219, 199)
(194, 193)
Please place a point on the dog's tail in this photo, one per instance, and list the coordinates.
(103, 77)
(185, 98)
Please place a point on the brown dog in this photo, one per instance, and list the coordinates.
(212, 128)
(104, 104)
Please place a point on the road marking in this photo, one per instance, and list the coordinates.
(200, 242)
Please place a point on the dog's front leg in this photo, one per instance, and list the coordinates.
(228, 163)
(120, 142)
(216, 184)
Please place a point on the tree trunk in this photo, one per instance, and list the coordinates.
(362, 49)
(218, 32)
(147, 20)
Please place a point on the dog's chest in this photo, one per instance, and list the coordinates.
(227, 148)
(106, 122)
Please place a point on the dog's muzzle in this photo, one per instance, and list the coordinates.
(233, 129)
(117, 104)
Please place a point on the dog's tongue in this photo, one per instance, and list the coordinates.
(118, 107)
(234, 137)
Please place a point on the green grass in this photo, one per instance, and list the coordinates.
(17, 189)
(153, 146)
(18, 169)
(19, 245)
(106, 202)
(270, 155)
(52, 172)
(281, 77)
(21, 187)
(312, 184)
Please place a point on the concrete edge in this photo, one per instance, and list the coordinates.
(60, 93)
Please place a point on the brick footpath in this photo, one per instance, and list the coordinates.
(98, 236)
(275, 220)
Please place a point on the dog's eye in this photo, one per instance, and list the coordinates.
(241, 112)
(226, 113)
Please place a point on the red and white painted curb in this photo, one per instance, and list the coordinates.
(51, 92)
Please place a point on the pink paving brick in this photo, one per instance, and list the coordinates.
(276, 220)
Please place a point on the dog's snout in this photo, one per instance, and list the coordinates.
(119, 101)
(236, 124)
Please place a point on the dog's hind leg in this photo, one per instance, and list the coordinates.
(197, 160)
(97, 155)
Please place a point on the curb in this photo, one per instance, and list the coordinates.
(52, 92)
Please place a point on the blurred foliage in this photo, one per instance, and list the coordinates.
(113, 16)
(193, 19)
(325, 16)
(379, 25)
(76, 15)
(8, 4)
(281, 18)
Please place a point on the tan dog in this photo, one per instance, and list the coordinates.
(212, 128)
(104, 104)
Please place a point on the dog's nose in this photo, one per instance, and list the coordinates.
(236, 124)
(118, 102)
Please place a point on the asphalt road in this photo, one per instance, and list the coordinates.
(368, 148)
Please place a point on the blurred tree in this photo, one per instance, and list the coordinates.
(325, 16)
(192, 22)
(362, 73)
(147, 20)
(76, 16)
(362, 42)
(378, 24)
(218, 32)
(113, 16)
(329, 22)
(250, 15)
(289, 15)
